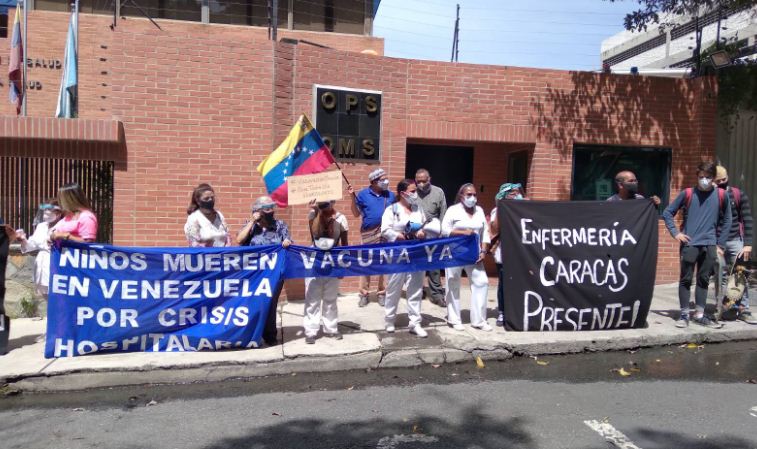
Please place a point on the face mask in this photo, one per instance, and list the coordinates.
(631, 187)
(411, 198)
(424, 187)
(324, 243)
(267, 216)
(705, 183)
(519, 197)
(384, 184)
(323, 206)
(469, 201)
(723, 185)
(209, 204)
(49, 216)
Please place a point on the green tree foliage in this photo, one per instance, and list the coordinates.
(738, 82)
(656, 11)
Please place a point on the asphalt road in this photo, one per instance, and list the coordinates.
(676, 397)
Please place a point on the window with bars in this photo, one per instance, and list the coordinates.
(27, 182)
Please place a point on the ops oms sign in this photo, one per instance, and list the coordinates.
(350, 122)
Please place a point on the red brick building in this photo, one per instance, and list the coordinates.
(200, 102)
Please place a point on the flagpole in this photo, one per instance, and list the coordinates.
(76, 102)
(24, 44)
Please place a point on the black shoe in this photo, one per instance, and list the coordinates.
(439, 301)
(310, 340)
(381, 300)
(500, 319)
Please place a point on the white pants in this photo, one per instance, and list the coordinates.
(320, 290)
(414, 290)
(479, 288)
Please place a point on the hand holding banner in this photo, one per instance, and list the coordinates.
(579, 265)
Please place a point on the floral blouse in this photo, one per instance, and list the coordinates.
(260, 236)
(201, 232)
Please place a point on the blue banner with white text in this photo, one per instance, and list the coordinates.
(106, 298)
(113, 299)
(382, 258)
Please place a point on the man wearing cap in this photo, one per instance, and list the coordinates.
(434, 204)
(739, 236)
(628, 186)
(369, 204)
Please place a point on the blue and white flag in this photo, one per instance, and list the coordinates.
(68, 93)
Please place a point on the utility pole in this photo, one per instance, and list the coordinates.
(456, 37)
(698, 47)
(275, 19)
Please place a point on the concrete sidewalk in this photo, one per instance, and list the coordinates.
(365, 345)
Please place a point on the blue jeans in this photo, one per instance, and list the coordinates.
(732, 249)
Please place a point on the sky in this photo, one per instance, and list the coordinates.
(559, 34)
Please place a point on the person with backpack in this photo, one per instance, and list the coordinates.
(705, 210)
(740, 236)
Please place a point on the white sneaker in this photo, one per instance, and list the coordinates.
(419, 331)
(390, 328)
(484, 327)
(458, 327)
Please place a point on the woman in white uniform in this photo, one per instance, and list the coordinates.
(328, 228)
(466, 218)
(404, 220)
(48, 215)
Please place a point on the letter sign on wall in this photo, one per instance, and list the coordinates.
(349, 122)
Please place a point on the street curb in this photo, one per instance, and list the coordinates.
(375, 359)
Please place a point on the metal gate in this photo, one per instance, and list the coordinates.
(25, 182)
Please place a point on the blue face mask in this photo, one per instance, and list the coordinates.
(519, 197)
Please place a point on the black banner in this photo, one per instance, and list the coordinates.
(580, 265)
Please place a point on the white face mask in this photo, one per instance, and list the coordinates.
(469, 201)
(384, 184)
(412, 198)
(49, 216)
(705, 183)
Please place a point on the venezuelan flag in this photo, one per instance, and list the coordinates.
(301, 153)
(16, 64)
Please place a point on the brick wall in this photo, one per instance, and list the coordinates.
(205, 103)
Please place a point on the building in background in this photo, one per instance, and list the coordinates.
(161, 110)
(674, 48)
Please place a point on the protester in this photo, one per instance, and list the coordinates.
(507, 191)
(328, 228)
(264, 229)
(404, 220)
(78, 224)
(434, 205)
(205, 226)
(466, 218)
(705, 211)
(628, 188)
(740, 236)
(48, 215)
(370, 204)
(7, 234)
